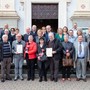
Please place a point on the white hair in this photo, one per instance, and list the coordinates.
(4, 36)
(51, 34)
(6, 30)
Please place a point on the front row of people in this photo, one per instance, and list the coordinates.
(31, 52)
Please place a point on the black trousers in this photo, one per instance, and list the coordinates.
(31, 68)
(54, 68)
(43, 70)
(66, 71)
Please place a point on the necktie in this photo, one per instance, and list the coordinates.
(80, 48)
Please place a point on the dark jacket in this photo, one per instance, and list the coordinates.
(57, 46)
(68, 46)
(1, 52)
(39, 51)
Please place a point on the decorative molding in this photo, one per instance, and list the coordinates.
(9, 14)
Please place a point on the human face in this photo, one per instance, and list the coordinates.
(75, 26)
(70, 33)
(5, 39)
(65, 38)
(6, 26)
(60, 31)
(28, 30)
(18, 37)
(48, 28)
(80, 38)
(30, 38)
(41, 41)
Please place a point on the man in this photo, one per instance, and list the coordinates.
(6, 58)
(71, 36)
(18, 56)
(75, 30)
(28, 32)
(54, 60)
(34, 31)
(81, 53)
(88, 41)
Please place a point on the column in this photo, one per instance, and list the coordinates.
(62, 13)
(28, 14)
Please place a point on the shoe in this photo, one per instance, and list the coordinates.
(51, 79)
(40, 80)
(32, 79)
(85, 80)
(69, 79)
(15, 79)
(8, 78)
(28, 79)
(77, 79)
(2, 80)
(21, 78)
(45, 79)
(55, 80)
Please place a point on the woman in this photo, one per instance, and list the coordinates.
(42, 60)
(30, 55)
(60, 35)
(65, 30)
(68, 50)
(40, 34)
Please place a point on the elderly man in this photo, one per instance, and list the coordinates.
(18, 51)
(54, 60)
(28, 32)
(6, 58)
(81, 54)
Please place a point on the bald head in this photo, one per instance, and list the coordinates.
(18, 37)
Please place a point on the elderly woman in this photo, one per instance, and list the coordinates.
(42, 60)
(60, 35)
(68, 50)
(30, 55)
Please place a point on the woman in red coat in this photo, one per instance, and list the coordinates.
(30, 55)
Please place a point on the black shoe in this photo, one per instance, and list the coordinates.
(2, 80)
(40, 80)
(32, 79)
(51, 79)
(8, 78)
(55, 80)
(45, 79)
(28, 79)
(21, 78)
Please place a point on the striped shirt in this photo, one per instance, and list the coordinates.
(6, 50)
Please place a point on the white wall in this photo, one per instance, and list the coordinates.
(71, 8)
(20, 11)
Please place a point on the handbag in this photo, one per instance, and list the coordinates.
(67, 61)
(43, 58)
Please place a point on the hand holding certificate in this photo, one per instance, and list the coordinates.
(49, 52)
(19, 49)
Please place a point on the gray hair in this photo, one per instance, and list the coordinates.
(4, 36)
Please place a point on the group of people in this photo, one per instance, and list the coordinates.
(33, 46)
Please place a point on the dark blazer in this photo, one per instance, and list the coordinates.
(39, 51)
(57, 46)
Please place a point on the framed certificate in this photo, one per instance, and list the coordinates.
(19, 49)
(49, 52)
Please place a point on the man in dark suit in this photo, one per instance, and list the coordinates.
(54, 60)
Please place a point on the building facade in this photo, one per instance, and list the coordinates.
(57, 13)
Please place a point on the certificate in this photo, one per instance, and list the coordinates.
(19, 49)
(49, 52)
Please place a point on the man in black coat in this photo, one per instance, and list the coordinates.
(54, 60)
